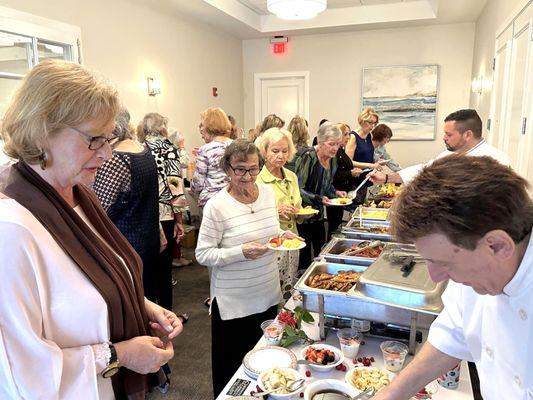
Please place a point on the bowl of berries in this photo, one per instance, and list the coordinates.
(322, 357)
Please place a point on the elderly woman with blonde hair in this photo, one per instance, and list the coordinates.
(72, 300)
(276, 148)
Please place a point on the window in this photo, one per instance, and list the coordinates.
(25, 40)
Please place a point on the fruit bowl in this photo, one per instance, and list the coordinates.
(337, 354)
(277, 377)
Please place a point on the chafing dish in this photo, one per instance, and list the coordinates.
(371, 213)
(360, 229)
(331, 252)
(382, 294)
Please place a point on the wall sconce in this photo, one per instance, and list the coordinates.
(479, 85)
(154, 86)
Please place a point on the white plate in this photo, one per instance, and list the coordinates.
(259, 360)
(283, 248)
(314, 211)
(336, 202)
(339, 357)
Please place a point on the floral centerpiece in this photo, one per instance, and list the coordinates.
(292, 320)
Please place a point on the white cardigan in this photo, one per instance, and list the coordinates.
(52, 319)
(241, 286)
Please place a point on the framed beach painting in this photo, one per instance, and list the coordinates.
(405, 97)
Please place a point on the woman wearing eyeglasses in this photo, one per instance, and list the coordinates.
(238, 222)
(72, 305)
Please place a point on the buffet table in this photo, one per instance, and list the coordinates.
(370, 349)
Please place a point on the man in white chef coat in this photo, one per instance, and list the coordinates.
(473, 228)
(462, 135)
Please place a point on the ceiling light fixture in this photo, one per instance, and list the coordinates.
(296, 9)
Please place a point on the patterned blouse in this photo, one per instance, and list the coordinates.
(168, 166)
(208, 178)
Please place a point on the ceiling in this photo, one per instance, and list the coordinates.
(248, 19)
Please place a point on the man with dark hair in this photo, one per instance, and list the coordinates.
(474, 229)
(462, 135)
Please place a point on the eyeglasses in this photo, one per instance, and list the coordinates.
(242, 171)
(96, 142)
(372, 122)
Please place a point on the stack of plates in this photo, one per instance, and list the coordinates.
(259, 360)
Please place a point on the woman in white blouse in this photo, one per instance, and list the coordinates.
(72, 306)
(238, 222)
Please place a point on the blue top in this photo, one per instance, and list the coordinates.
(364, 151)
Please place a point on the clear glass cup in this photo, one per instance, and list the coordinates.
(394, 354)
(272, 331)
(450, 380)
(350, 340)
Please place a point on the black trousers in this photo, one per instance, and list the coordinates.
(159, 288)
(314, 234)
(231, 340)
(334, 214)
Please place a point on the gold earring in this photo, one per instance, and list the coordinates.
(42, 160)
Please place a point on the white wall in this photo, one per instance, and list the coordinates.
(492, 17)
(128, 40)
(335, 62)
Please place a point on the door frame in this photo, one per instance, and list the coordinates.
(260, 76)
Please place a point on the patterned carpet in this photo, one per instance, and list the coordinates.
(191, 365)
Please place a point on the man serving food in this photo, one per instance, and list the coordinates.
(474, 229)
(462, 135)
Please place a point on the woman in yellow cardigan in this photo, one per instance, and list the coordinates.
(277, 148)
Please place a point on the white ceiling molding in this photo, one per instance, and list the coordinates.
(248, 19)
(359, 15)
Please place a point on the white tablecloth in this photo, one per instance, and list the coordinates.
(370, 349)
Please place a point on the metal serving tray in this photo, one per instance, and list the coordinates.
(355, 229)
(362, 213)
(356, 303)
(329, 268)
(337, 245)
(384, 280)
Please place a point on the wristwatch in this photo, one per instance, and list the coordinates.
(113, 366)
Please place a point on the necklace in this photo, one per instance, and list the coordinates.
(244, 197)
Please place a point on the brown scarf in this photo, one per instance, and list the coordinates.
(125, 302)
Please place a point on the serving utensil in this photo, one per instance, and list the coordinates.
(354, 192)
(370, 245)
(293, 387)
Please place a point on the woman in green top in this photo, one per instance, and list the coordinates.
(277, 148)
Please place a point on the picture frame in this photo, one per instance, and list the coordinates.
(405, 98)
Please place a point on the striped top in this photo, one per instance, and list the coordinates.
(208, 177)
(241, 286)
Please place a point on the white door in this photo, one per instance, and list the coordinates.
(520, 82)
(502, 61)
(283, 94)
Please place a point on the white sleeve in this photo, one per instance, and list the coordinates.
(409, 173)
(446, 332)
(208, 251)
(32, 366)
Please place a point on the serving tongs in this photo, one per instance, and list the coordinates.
(371, 245)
